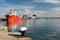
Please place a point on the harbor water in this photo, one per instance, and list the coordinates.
(41, 29)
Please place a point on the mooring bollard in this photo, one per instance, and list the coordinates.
(23, 31)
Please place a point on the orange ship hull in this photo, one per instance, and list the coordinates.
(13, 20)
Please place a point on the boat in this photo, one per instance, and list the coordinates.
(12, 19)
(34, 16)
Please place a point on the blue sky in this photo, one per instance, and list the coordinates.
(39, 7)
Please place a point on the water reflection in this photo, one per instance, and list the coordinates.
(42, 29)
(27, 23)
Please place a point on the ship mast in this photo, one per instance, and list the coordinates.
(12, 11)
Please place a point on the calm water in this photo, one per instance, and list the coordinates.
(41, 29)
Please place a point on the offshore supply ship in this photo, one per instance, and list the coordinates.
(13, 20)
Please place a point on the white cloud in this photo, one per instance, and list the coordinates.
(55, 9)
(48, 1)
(3, 2)
(23, 7)
(19, 8)
(38, 0)
(40, 13)
(54, 12)
(52, 1)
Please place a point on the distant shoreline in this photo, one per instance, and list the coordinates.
(1, 19)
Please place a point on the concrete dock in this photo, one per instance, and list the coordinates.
(18, 36)
(22, 38)
(12, 36)
(5, 35)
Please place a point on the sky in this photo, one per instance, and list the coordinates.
(41, 8)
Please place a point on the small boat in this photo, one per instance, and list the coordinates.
(34, 16)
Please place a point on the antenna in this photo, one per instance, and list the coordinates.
(12, 10)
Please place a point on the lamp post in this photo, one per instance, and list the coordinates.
(23, 31)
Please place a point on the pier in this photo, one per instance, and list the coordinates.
(2, 18)
(18, 37)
